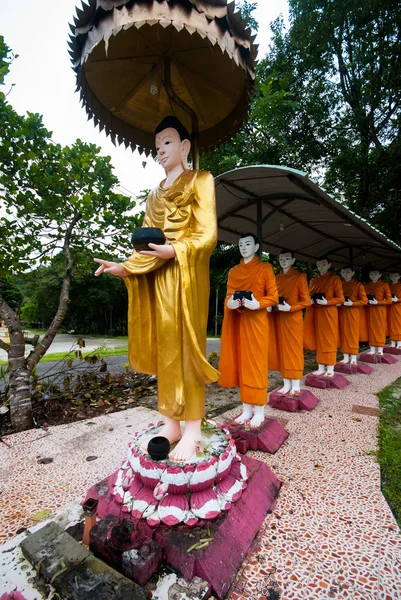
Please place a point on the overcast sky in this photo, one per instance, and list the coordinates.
(37, 31)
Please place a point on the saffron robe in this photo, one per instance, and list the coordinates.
(349, 317)
(394, 314)
(245, 332)
(168, 299)
(321, 322)
(376, 314)
(286, 353)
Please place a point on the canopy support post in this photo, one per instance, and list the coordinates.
(259, 224)
(351, 257)
(194, 119)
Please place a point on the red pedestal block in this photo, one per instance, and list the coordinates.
(383, 359)
(337, 382)
(267, 438)
(121, 545)
(390, 350)
(232, 533)
(242, 445)
(364, 368)
(305, 401)
(283, 401)
(348, 369)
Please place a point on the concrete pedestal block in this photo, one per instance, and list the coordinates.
(348, 369)
(364, 368)
(337, 381)
(380, 359)
(267, 438)
(390, 350)
(305, 401)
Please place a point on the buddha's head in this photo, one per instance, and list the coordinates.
(286, 259)
(172, 144)
(323, 265)
(248, 246)
(395, 277)
(347, 273)
(374, 275)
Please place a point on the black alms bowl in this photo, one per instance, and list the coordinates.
(158, 448)
(147, 235)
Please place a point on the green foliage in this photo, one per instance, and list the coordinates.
(246, 8)
(389, 454)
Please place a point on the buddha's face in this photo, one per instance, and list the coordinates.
(395, 277)
(347, 274)
(374, 276)
(171, 151)
(286, 260)
(248, 247)
(323, 266)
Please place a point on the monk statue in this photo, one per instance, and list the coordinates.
(321, 319)
(168, 290)
(245, 331)
(349, 315)
(379, 296)
(286, 353)
(394, 319)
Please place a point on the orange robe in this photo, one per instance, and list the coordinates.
(377, 313)
(349, 317)
(286, 353)
(245, 332)
(321, 322)
(394, 314)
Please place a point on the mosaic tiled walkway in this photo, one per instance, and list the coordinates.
(331, 535)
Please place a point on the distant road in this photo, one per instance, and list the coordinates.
(115, 364)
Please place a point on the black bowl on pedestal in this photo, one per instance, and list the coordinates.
(158, 448)
(147, 235)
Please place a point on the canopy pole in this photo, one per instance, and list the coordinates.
(194, 119)
(351, 257)
(259, 233)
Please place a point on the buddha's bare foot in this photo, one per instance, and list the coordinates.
(185, 449)
(170, 430)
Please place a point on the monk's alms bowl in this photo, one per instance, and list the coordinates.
(242, 294)
(318, 296)
(143, 236)
(158, 448)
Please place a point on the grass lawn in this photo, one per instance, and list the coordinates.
(101, 351)
(389, 454)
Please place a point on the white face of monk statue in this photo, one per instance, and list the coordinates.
(286, 261)
(374, 276)
(395, 277)
(171, 151)
(248, 248)
(323, 266)
(347, 274)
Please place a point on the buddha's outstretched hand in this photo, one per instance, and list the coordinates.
(165, 251)
(251, 304)
(232, 304)
(107, 266)
(284, 307)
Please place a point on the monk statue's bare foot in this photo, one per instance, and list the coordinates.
(170, 430)
(185, 449)
(246, 414)
(321, 370)
(286, 387)
(258, 417)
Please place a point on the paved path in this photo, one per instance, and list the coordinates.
(331, 534)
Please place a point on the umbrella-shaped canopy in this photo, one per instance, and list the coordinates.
(288, 210)
(139, 60)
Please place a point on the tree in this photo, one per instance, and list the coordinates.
(54, 200)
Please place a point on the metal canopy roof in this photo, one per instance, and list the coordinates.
(294, 212)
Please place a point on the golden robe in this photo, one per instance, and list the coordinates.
(321, 321)
(394, 314)
(245, 332)
(286, 353)
(168, 299)
(349, 317)
(377, 313)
